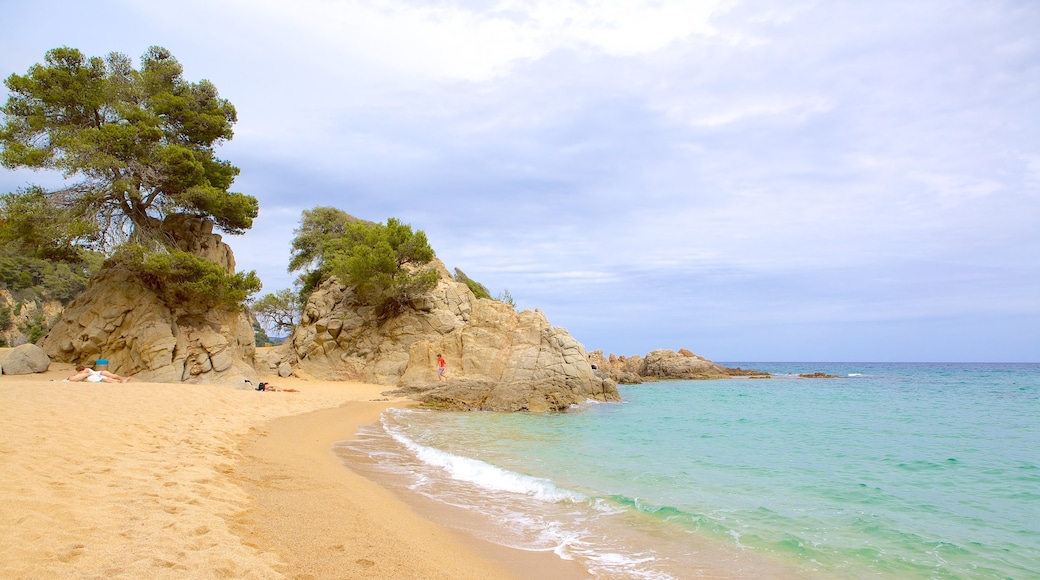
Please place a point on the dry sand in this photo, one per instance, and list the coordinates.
(147, 480)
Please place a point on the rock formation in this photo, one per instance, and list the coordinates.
(498, 359)
(19, 315)
(118, 319)
(24, 360)
(665, 364)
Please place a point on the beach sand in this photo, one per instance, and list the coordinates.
(148, 480)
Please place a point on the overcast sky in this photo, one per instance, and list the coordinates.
(753, 181)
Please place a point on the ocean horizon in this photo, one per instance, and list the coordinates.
(891, 470)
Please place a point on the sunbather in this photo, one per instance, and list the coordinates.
(93, 376)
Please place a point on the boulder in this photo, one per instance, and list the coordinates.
(25, 360)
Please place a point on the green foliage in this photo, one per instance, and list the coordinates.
(34, 227)
(259, 335)
(317, 227)
(280, 311)
(35, 327)
(31, 278)
(186, 280)
(507, 298)
(478, 289)
(134, 145)
(6, 320)
(384, 263)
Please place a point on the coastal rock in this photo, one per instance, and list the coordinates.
(665, 364)
(25, 360)
(498, 359)
(119, 319)
(668, 364)
(620, 369)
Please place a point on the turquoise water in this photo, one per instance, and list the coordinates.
(891, 471)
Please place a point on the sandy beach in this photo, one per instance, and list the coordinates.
(148, 480)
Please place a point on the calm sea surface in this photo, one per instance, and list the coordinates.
(891, 471)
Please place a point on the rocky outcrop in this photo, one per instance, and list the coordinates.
(621, 369)
(665, 364)
(17, 317)
(118, 319)
(498, 359)
(24, 360)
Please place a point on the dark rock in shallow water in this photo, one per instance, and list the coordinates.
(482, 395)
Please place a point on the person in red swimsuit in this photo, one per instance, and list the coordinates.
(440, 368)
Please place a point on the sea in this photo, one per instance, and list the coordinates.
(889, 470)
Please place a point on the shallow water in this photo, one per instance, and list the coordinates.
(893, 471)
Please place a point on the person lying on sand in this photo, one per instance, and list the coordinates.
(270, 387)
(92, 376)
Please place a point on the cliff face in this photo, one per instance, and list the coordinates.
(498, 359)
(20, 315)
(117, 318)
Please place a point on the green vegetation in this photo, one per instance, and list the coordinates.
(183, 278)
(318, 226)
(278, 312)
(36, 326)
(135, 147)
(383, 263)
(506, 297)
(478, 289)
(259, 334)
(31, 278)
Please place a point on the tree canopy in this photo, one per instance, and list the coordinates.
(133, 145)
(278, 312)
(384, 263)
(317, 227)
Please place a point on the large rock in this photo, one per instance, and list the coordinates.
(665, 364)
(25, 360)
(117, 318)
(498, 359)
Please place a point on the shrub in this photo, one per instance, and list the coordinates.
(186, 280)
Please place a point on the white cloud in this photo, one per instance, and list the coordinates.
(451, 40)
(661, 167)
(715, 112)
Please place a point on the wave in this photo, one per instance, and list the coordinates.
(485, 475)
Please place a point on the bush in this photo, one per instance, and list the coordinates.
(478, 289)
(383, 263)
(186, 280)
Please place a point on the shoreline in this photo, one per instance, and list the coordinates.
(358, 528)
(212, 481)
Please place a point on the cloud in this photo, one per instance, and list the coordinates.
(742, 178)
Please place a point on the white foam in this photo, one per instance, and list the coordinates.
(484, 474)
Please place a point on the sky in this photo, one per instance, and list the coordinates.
(749, 180)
